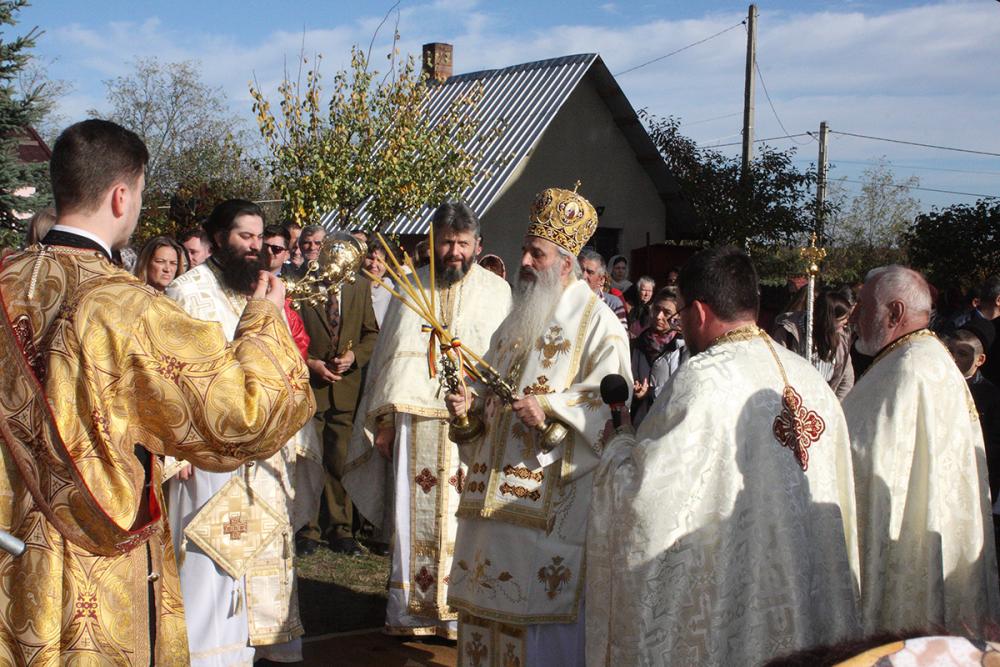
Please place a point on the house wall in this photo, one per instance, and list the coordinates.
(582, 143)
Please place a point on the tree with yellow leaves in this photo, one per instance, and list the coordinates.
(376, 145)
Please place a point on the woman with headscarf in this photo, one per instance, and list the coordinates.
(619, 273)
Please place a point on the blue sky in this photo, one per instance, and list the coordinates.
(921, 71)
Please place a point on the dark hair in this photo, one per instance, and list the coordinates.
(990, 289)
(290, 225)
(193, 233)
(88, 158)
(278, 230)
(223, 215)
(146, 256)
(456, 216)
(830, 306)
(723, 279)
(664, 294)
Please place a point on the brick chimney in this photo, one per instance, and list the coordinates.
(437, 60)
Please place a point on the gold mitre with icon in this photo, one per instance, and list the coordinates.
(563, 217)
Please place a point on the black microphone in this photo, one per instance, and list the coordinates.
(614, 392)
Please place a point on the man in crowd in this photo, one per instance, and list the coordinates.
(404, 419)
(926, 536)
(309, 473)
(100, 377)
(196, 242)
(241, 604)
(342, 334)
(989, 310)
(723, 532)
(310, 244)
(517, 578)
(294, 252)
(594, 274)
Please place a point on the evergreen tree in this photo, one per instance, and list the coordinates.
(16, 113)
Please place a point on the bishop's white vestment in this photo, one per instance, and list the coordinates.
(925, 530)
(712, 541)
(519, 567)
(416, 494)
(230, 616)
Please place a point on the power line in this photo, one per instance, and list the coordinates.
(706, 120)
(757, 141)
(908, 166)
(917, 143)
(763, 85)
(683, 48)
(916, 187)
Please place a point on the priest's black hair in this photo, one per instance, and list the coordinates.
(224, 215)
(457, 216)
(725, 280)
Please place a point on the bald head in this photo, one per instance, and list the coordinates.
(894, 301)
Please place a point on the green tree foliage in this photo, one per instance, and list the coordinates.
(373, 144)
(196, 154)
(958, 246)
(867, 230)
(17, 111)
(771, 209)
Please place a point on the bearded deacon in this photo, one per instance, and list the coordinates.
(723, 532)
(402, 424)
(518, 573)
(927, 551)
(233, 529)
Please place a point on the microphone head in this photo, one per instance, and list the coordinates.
(614, 389)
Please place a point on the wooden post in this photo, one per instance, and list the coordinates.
(748, 92)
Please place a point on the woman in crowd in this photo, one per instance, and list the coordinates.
(162, 259)
(640, 316)
(375, 265)
(619, 273)
(656, 354)
(831, 339)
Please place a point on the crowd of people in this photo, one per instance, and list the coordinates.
(176, 433)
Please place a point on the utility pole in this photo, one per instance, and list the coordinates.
(821, 173)
(748, 90)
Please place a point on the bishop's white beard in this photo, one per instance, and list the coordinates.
(534, 303)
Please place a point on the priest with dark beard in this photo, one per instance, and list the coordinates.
(236, 612)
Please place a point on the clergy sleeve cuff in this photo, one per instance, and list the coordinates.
(544, 404)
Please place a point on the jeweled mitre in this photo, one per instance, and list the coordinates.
(563, 217)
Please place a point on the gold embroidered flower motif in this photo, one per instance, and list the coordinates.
(171, 367)
(539, 387)
(552, 344)
(458, 480)
(509, 659)
(424, 579)
(475, 650)
(86, 606)
(554, 576)
(522, 472)
(426, 480)
(519, 492)
(24, 334)
(797, 427)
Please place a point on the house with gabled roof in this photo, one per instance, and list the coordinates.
(566, 120)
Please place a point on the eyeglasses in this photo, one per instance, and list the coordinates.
(677, 316)
(275, 249)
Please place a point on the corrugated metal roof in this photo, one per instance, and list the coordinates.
(525, 98)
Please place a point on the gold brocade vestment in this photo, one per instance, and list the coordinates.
(97, 367)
